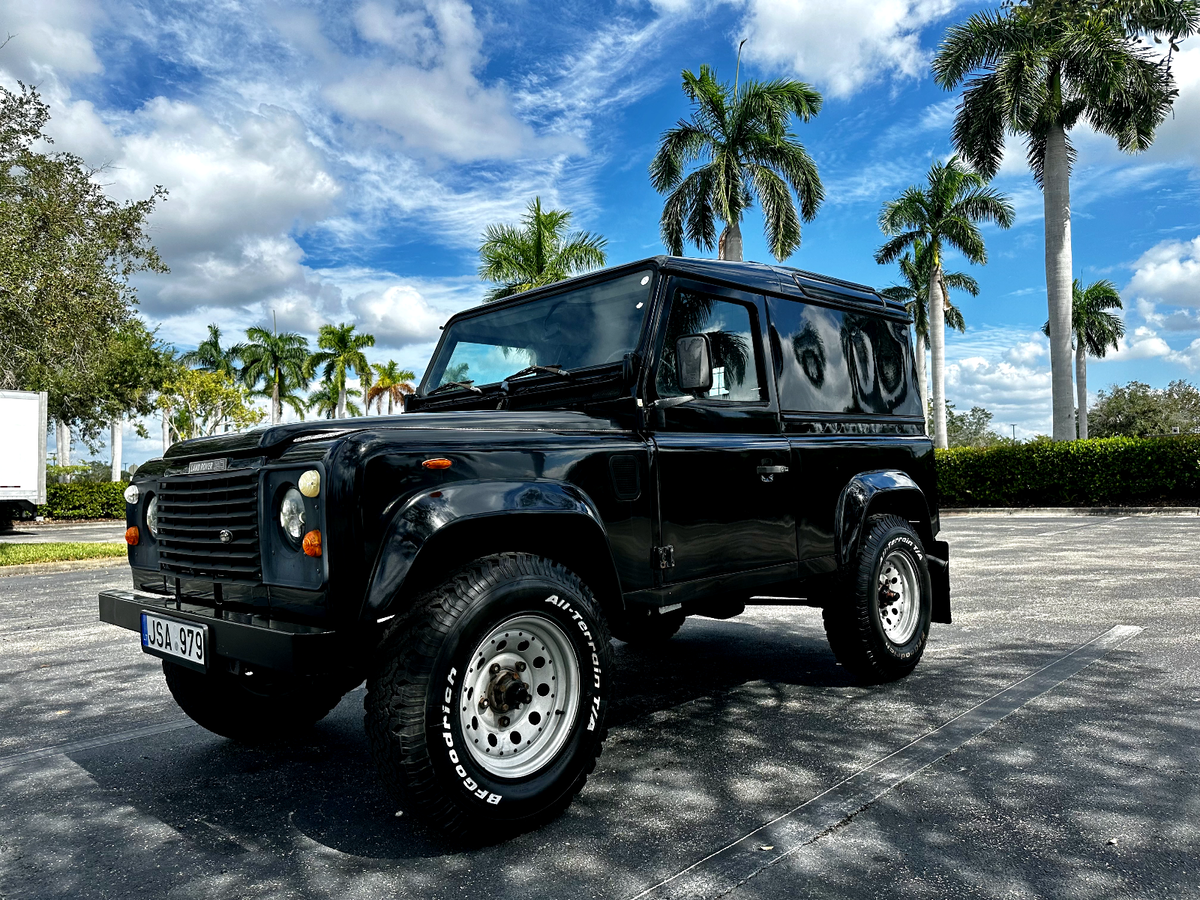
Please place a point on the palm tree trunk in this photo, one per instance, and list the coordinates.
(937, 346)
(341, 407)
(166, 430)
(276, 411)
(730, 244)
(1081, 385)
(1056, 192)
(63, 439)
(922, 381)
(114, 441)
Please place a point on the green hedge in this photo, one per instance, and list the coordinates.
(1116, 471)
(85, 501)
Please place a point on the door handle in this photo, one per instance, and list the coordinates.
(768, 473)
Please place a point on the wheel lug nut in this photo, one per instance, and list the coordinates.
(483, 704)
(504, 721)
(520, 667)
(494, 669)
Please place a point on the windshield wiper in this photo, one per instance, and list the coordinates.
(552, 369)
(467, 385)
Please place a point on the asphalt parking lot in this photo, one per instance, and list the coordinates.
(1047, 746)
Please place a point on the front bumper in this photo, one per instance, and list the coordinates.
(245, 637)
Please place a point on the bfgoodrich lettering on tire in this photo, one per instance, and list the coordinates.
(485, 705)
(878, 633)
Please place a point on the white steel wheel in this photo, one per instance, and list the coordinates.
(520, 697)
(899, 597)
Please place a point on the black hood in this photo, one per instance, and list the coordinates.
(275, 439)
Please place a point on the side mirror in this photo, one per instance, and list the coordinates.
(693, 364)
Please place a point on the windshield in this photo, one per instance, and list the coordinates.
(589, 326)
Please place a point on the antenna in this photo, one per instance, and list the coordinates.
(738, 70)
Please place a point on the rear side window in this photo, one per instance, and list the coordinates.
(833, 361)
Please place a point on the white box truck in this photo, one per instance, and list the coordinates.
(22, 453)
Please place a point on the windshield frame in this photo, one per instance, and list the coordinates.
(560, 287)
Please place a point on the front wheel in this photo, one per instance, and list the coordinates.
(878, 633)
(485, 707)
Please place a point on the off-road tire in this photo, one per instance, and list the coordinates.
(648, 631)
(853, 622)
(262, 706)
(418, 695)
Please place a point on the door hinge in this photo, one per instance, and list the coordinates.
(665, 556)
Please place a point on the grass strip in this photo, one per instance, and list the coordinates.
(23, 554)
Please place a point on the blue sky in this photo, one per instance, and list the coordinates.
(339, 161)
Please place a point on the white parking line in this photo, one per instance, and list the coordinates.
(1088, 525)
(738, 862)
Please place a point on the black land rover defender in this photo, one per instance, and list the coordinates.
(605, 456)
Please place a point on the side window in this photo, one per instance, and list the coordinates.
(730, 330)
(832, 361)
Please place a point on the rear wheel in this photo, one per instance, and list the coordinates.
(485, 706)
(878, 633)
(254, 705)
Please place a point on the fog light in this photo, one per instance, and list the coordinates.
(131, 494)
(312, 543)
(131, 535)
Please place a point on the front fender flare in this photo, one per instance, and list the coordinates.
(424, 515)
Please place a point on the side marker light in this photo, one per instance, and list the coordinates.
(439, 463)
(312, 543)
(131, 535)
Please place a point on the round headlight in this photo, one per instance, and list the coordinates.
(152, 516)
(132, 494)
(291, 514)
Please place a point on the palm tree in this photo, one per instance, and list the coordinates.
(211, 357)
(1035, 69)
(749, 153)
(914, 294)
(946, 213)
(392, 382)
(324, 401)
(341, 351)
(536, 253)
(1095, 330)
(280, 362)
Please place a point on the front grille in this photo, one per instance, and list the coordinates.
(193, 510)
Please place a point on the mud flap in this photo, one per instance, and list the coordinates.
(939, 574)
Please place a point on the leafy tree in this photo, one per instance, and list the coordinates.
(199, 403)
(210, 356)
(914, 294)
(1036, 68)
(971, 429)
(1095, 330)
(341, 352)
(947, 213)
(392, 382)
(749, 155)
(1137, 410)
(280, 362)
(536, 253)
(67, 252)
(324, 401)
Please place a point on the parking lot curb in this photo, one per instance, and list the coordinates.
(1072, 511)
(68, 565)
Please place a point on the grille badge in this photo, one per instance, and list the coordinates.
(226, 536)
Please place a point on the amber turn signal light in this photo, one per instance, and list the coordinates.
(436, 464)
(312, 543)
(131, 535)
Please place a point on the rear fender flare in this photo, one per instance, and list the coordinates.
(423, 517)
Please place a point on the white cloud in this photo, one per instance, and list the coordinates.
(397, 316)
(1169, 272)
(843, 46)
(46, 40)
(426, 90)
